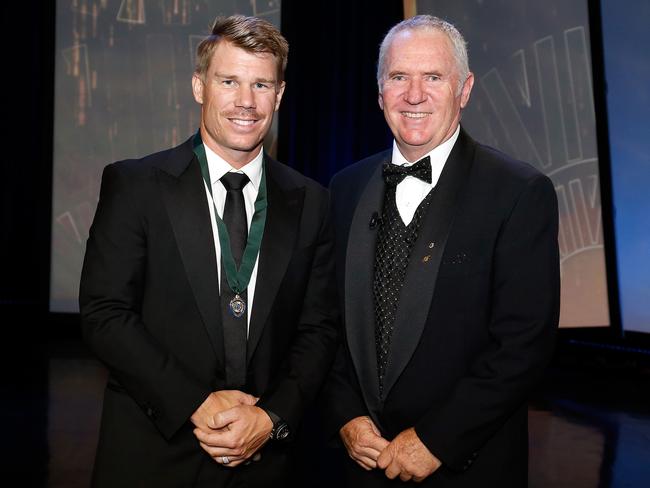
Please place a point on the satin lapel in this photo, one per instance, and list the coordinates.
(185, 200)
(422, 272)
(282, 221)
(359, 305)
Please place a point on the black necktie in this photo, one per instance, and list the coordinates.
(234, 213)
(394, 174)
(234, 328)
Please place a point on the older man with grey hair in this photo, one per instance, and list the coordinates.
(447, 262)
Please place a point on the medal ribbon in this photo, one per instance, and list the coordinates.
(238, 279)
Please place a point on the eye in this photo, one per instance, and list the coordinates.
(398, 78)
(261, 86)
(228, 82)
(432, 77)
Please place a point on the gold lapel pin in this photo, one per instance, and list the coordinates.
(426, 258)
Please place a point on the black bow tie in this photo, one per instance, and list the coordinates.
(394, 174)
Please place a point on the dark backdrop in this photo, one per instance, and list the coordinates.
(25, 192)
(330, 116)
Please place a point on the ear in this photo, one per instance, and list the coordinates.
(380, 100)
(197, 88)
(278, 95)
(467, 89)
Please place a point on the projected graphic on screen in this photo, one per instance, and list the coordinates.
(123, 71)
(533, 99)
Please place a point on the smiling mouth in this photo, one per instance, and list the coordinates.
(416, 115)
(243, 122)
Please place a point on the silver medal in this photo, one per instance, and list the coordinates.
(237, 306)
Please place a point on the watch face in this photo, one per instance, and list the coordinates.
(282, 432)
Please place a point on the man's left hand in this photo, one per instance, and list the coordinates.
(236, 435)
(407, 457)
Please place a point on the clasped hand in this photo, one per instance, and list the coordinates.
(405, 456)
(228, 424)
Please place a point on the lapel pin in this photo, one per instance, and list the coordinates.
(374, 221)
(431, 245)
(426, 258)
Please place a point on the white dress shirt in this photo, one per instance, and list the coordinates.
(219, 167)
(411, 190)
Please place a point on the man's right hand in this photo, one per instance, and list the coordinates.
(217, 402)
(363, 441)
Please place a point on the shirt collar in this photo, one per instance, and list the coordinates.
(438, 154)
(219, 167)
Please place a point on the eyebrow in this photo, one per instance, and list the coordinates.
(426, 73)
(234, 77)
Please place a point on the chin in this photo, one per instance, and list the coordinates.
(245, 146)
(417, 141)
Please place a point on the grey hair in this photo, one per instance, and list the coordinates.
(426, 23)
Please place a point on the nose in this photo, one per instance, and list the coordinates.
(245, 96)
(414, 93)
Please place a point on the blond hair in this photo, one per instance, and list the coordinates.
(249, 33)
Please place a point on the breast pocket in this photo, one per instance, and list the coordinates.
(463, 263)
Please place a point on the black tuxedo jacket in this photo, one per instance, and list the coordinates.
(476, 319)
(149, 302)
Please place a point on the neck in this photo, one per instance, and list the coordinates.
(415, 153)
(235, 158)
(412, 156)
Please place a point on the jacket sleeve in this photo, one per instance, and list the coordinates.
(342, 395)
(342, 398)
(523, 322)
(110, 297)
(314, 343)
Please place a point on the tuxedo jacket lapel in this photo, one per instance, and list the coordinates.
(359, 270)
(282, 220)
(185, 200)
(426, 256)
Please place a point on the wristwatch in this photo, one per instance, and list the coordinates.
(280, 430)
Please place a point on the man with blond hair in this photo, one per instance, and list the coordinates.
(207, 288)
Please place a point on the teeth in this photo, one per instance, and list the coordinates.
(242, 121)
(415, 115)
